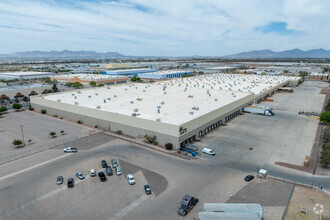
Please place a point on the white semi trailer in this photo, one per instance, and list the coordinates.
(258, 109)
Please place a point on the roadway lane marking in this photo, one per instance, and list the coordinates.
(129, 208)
(33, 167)
(41, 198)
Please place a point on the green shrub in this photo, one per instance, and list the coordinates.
(17, 106)
(3, 109)
(168, 146)
(150, 139)
(52, 133)
(325, 158)
(17, 142)
(119, 132)
(62, 131)
(43, 111)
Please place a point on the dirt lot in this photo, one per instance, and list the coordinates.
(305, 197)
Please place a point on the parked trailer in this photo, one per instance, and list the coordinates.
(258, 109)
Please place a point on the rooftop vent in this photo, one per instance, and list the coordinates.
(136, 110)
(98, 107)
(134, 114)
(76, 103)
(158, 119)
(58, 100)
(191, 113)
(79, 92)
(215, 99)
(139, 99)
(89, 96)
(132, 102)
(190, 96)
(115, 96)
(162, 103)
(96, 94)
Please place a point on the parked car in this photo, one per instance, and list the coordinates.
(147, 189)
(130, 179)
(80, 176)
(70, 150)
(248, 178)
(118, 171)
(102, 176)
(92, 172)
(109, 171)
(114, 163)
(59, 180)
(70, 183)
(104, 164)
(208, 151)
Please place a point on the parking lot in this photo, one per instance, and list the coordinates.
(262, 140)
(36, 127)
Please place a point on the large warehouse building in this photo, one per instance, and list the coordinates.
(177, 111)
(87, 78)
(25, 75)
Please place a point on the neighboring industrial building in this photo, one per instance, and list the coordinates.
(176, 111)
(220, 211)
(164, 74)
(131, 72)
(3, 84)
(25, 75)
(87, 78)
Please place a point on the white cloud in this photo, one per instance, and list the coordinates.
(162, 27)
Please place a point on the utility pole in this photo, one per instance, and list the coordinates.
(22, 135)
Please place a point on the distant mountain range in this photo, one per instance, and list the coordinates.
(254, 54)
(61, 54)
(295, 53)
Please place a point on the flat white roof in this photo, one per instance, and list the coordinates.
(25, 73)
(164, 72)
(178, 100)
(88, 76)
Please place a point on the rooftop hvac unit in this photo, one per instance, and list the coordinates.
(98, 107)
(191, 113)
(190, 96)
(164, 93)
(72, 94)
(158, 106)
(109, 99)
(209, 94)
(89, 96)
(139, 99)
(96, 94)
(132, 102)
(76, 103)
(115, 96)
(58, 100)
(136, 110)
(162, 103)
(104, 100)
(134, 114)
(158, 119)
(215, 99)
(79, 92)
(158, 110)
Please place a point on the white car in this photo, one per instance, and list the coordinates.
(92, 172)
(130, 179)
(70, 149)
(208, 151)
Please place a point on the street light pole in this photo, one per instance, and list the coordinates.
(22, 135)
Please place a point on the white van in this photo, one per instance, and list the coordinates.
(208, 151)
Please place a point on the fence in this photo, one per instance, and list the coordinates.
(37, 149)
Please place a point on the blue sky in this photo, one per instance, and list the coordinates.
(164, 27)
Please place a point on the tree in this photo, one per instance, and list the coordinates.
(52, 134)
(17, 142)
(150, 139)
(325, 117)
(62, 131)
(1, 114)
(92, 83)
(325, 158)
(25, 99)
(17, 106)
(77, 85)
(50, 91)
(100, 85)
(303, 74)
(263, 74)
(3, 109)
(54, 88)
(69, 84)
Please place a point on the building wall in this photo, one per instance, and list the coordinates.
(162, 75)
(77, 79)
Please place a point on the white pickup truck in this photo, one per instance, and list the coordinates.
(70, 149)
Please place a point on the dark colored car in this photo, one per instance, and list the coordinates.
(114, 163)
(109, 171)
(70, 182)
(59, 180)
(249, 178)
(147, 189)
(102, 176)
(104, 164)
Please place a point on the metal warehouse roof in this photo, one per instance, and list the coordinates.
(174, 102)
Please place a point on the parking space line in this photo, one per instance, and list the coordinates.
(30, 168)
(129, 208)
